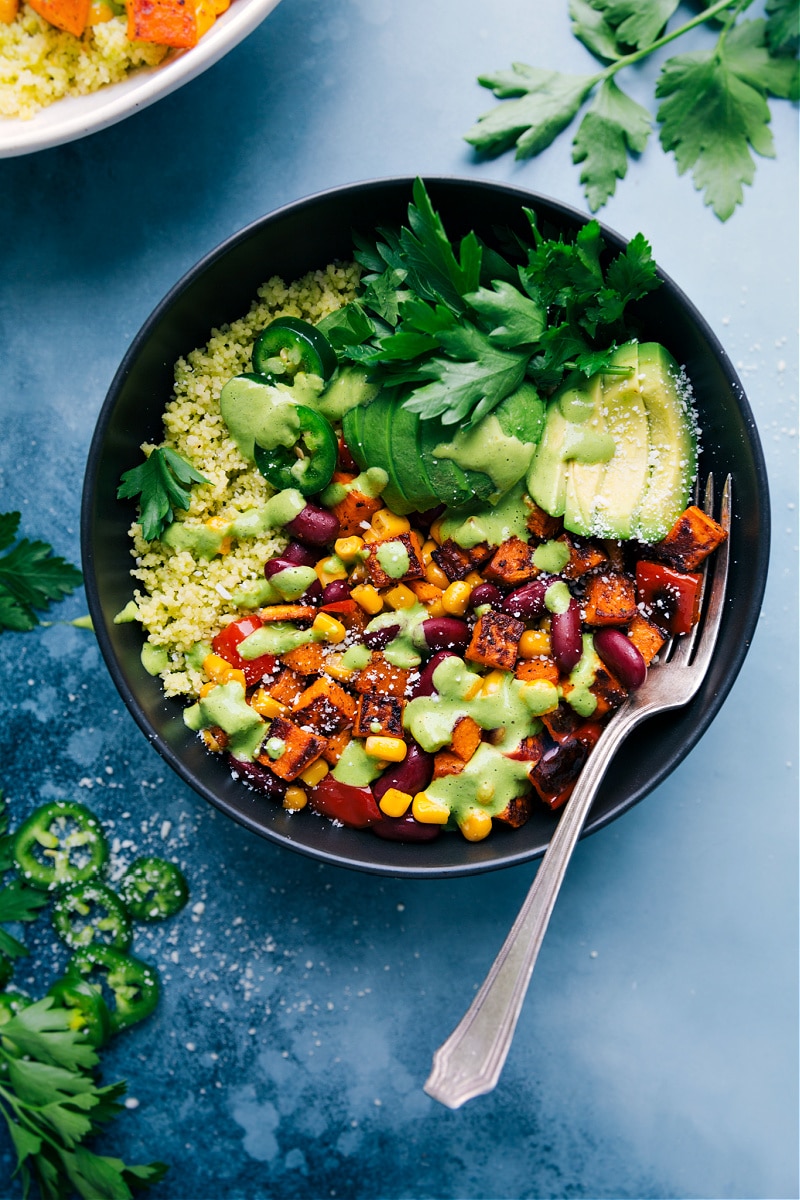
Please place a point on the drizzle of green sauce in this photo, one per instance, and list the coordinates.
(488, 523)
(369, 483)
(393, 559)
(557, 597)
(355, 766)
(487, 448)
(275, 747)
(204, 542)
(257, 412)
(355, 658)
(276, 637)
(582, 676)
(404, 649)
(551, 557)
(225, 706)
(198, 652)
(155, 659)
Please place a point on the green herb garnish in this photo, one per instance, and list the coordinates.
(714, 109)
(460, 328)
(163, 481)
(31, 577)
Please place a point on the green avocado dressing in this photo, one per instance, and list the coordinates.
(582, 676)
(393, 559)
(255, 411)
(557, 597)
(487, 448)
(369, 483)
(203, 542)
(155, 659)
(355, 658)
(488, 523)
(403, 650)
(225, 707)
(551, 557)
(355, 766)
(276, 637)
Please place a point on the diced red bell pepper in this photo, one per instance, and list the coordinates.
(671, 598)
(353, 806)
(228, 639)
(340, 606)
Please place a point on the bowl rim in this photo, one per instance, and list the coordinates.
(667, 764)
(74, 117)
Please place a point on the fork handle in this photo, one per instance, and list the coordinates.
(470, 1061)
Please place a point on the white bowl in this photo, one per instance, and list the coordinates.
(76, 116)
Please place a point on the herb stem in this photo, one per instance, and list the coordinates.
(637, 55)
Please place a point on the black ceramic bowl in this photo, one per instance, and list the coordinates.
(289, 242)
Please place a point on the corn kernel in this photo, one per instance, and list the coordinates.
(348, 548)
(327, 629)
(388, 524)
(493, 682)
(99, 13)
(330, 569)
(429, 810)
(455, 598)
(368, 598)
(474, 578)
(215, 523)
(476, 825)
(436, 531)
(534, 643)
(427, 551)
(215, 740)
(390, 749)
(485, 792)
(313, 774)
(266, 705)
(400, 596)
(394, 803)
(221, 6)
(334, 666)
(206, 688)
(435, 607)
(294, 799)
(205, 16)
(435, 575)
(473, 688)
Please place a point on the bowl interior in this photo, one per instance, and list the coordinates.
(299, 238)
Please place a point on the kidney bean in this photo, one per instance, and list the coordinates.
(486, 593)
(411, 775)
(526, 601)
(258, 777)
(565, 637)
(276, 565)
(424, 685)
(313, 593)
(378, 639)
(445, 633)
(299, 556)
(315, 526)
(336, 590)
(405, 829)
(619, 653)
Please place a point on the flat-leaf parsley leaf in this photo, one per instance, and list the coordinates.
(31, 577)
(163, 483)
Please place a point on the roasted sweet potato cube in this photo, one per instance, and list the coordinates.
(325, 706)
(544, 667)
(516, 812)
(287, 612)
(336, 746)
(692, 538)
(562, 722)
(300, 749)
(381, 678)
(447, 763)
(495, 640)
(356, 509)
(287, 687)
(466, 738)
(379, 715)
(511, 563)
(615, 553)
(165, 22)
(305, 660)
(610, 599)
(69, 15)
(541, 524)
(583, 557)
(425, 592)
(416, 567)
(646, 637)
(606, 689)
(532, 747)
(457, 562)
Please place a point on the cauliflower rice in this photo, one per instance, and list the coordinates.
(184, 601)
(40, 64)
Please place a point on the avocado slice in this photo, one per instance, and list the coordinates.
(353, 432)
(620, 491)
(407, 460)
(378, 449)
(547, 476)
(450, 484)
(673, 443)
(585, 441)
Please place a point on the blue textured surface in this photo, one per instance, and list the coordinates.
(657, 1052)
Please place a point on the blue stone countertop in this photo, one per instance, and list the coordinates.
(657, 1052)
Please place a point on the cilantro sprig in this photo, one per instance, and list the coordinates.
(31, 577)
(459, 328)
(713, 114)
(163, 483)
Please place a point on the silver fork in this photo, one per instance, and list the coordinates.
(469, 1063)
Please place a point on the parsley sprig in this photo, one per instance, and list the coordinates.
(713, 112)
(163, 483)
(31, 577)
(459, 328)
